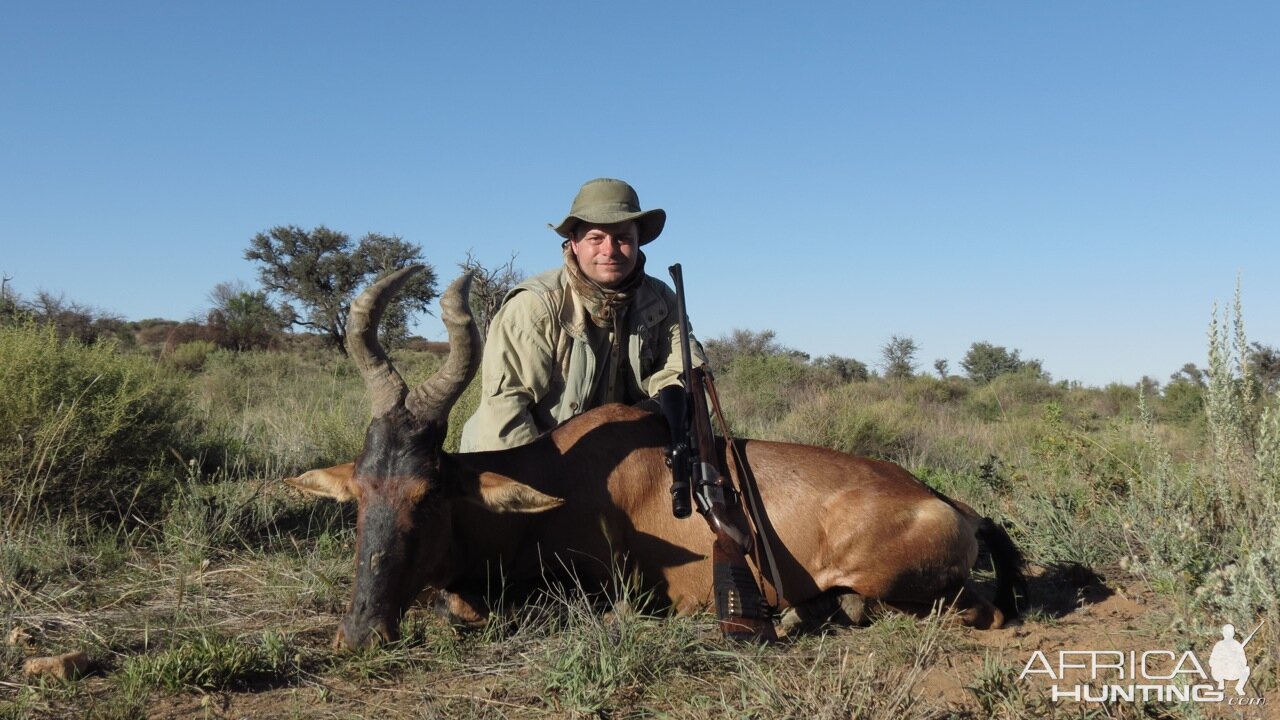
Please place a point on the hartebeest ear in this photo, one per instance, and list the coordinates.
(501, 494)
(332, 482)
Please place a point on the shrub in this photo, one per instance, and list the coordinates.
(722, 351)
(462, 411)
(844, 421)
(81, 426)
(760, 389)
(846, 369)
(1182, 403)
(243, 319)
(1118, 398)
(190, 356)
(1027, 387)
(924, 389)
(70, 319)
(1210, 531)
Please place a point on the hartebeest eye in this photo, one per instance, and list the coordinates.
(413, 490)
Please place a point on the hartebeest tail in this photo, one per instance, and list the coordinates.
(1007, 558)
(1011, 583)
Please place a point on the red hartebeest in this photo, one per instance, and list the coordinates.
(593, 492)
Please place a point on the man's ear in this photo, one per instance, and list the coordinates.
(333, 482)
(501, 494)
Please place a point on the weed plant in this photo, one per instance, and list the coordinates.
(1209, 532)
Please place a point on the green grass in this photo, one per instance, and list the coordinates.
(148, 527)
(205, 660)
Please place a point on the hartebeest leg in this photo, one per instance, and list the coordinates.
(837, 606)
(971, 608)
(460, 608)
(467, 609)
(976, 611)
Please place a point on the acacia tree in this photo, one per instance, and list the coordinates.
(899, 357)
(1189, 374)
(8, 307)
(321, 272)
(1264, 365)
(985, 362)
(11, 307)
(941, 366)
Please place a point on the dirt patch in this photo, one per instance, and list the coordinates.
(1072, 608)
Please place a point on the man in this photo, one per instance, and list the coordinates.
(596, 330)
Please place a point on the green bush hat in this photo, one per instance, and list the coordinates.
(605, 201)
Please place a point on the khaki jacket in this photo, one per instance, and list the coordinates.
(539, 368)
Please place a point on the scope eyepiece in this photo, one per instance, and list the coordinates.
(681, 501)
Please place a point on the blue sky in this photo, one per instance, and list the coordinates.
(1080, 181)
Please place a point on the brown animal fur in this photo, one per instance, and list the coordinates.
(839, 523)
(590, 498)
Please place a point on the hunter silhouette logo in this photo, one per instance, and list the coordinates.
(1100, 676)
(1227, 661)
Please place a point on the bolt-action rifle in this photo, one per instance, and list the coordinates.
(693, 460)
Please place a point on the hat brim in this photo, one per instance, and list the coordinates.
(649, 223)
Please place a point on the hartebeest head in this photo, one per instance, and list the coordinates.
(401, 481)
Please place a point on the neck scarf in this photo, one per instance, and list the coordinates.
(606, 306)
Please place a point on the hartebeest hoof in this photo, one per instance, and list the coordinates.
(976, 612)
(468, 611)
(834, 607)
(982, 618)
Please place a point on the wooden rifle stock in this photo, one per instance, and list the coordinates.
(740, 606)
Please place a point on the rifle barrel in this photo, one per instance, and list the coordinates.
(1255, 632)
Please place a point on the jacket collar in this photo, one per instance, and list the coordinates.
(647, 309)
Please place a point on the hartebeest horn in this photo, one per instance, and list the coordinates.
(431, 401)
(385, 385)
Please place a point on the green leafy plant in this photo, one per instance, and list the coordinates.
(84, 429)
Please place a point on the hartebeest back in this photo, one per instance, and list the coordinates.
(591, 495)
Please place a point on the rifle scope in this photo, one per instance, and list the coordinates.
(675, 408)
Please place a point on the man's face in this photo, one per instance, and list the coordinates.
(606, 253)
